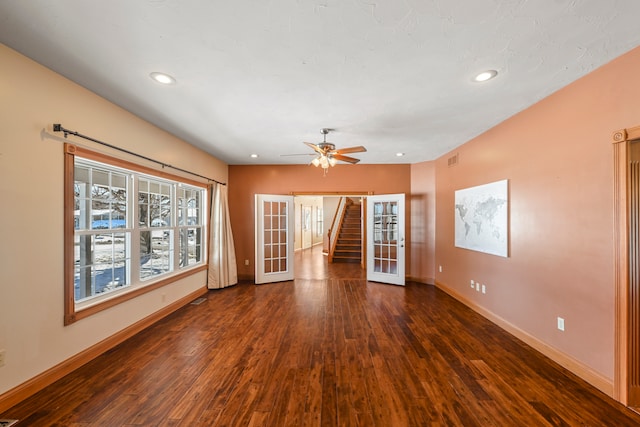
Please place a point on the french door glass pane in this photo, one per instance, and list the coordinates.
(385, 237)
(275, 236)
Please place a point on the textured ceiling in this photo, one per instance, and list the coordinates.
(258, 76)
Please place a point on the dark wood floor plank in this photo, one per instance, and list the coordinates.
(327, 349)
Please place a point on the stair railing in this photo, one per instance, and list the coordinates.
(334, 230)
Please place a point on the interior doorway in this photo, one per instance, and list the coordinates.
(627, 265)
(315, 222)
(293, 240)
(313, 264)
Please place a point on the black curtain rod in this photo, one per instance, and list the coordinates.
(57, 127)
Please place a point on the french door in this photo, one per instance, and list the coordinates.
(274, 225)
(385, 239)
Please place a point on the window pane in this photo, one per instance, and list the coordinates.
(119, 215)
(195, 208)
(195, 238)
(145, 246)
(190, 246)
(182, 206)
(100, 178)
(81, 173)
(101, 264)
(143, 209)
(159, 259)
(189, 207)
(118, 181)
(165, 210)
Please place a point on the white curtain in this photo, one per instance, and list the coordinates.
(223, 270)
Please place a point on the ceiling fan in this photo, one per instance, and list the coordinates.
(327, 155)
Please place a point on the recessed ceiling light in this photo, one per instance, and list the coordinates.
(254, 156)
(399, 154)
(485, 75)
(163, 78)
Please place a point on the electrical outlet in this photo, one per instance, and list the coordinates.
(477, 287)
(440, 269)
(484, 289)
(3, 354)
(473, 285)
(561, 323)
(246, 262)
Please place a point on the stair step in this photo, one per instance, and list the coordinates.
(346, 260)
(348, 247)
(346, 255)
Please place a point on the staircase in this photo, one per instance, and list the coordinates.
(349, 241)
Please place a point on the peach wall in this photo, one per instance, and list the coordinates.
(32, 98)
(558, 158)
(423, 222)
(246, 181)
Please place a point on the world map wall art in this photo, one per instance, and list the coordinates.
(482, 218)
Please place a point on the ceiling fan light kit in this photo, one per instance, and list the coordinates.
(328, 156)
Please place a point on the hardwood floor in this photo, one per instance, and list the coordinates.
(328, 349)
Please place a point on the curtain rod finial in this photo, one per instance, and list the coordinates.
(57, 127)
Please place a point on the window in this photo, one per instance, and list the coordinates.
(319, 221)
(102, 257)
(133, 230)
(155, 209)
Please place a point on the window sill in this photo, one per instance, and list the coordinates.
(133, 293)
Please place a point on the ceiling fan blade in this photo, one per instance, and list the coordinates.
(345, 158)
(358, 149)
(315, 148)
(298, 154)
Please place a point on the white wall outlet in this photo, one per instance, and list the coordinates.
(246, 262)
(3, 354)
(473, 285)
(484, 289)
(477, 287)
(440, 269)
(561, 323)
